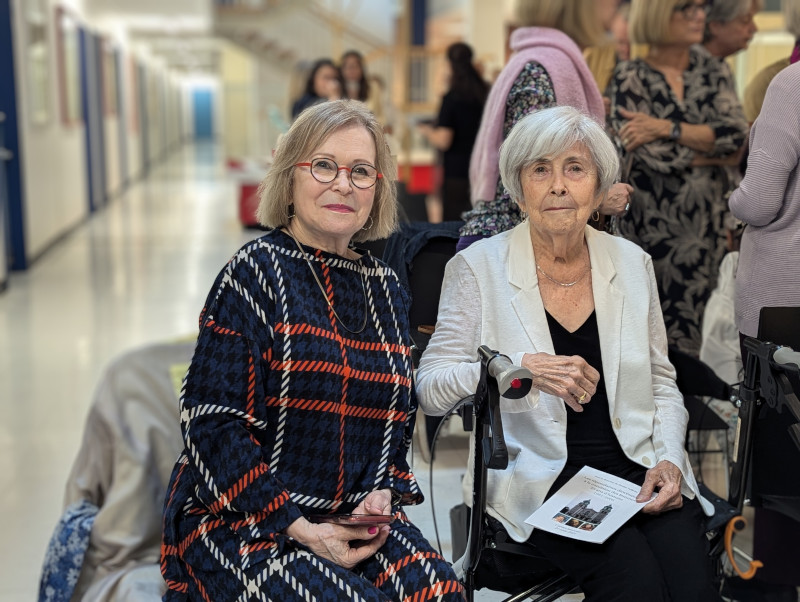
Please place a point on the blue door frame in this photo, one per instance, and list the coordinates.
(14, 188)
(93, 118)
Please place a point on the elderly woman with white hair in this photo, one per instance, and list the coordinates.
(579, 308)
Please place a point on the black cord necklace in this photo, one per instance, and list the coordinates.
(325, 295)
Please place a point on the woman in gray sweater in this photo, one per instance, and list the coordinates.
(768, 201)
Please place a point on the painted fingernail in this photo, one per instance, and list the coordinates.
(373, 530)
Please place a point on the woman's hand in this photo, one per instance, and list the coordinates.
(346, 546)
(567, 377)
(376, 502)
(666, 477)
(641, 129)
(618, 200)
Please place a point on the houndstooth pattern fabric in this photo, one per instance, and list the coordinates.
(285, 413)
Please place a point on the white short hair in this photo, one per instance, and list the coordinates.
(550, 132)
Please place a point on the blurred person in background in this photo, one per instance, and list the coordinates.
(757, 88)
(546, 69)
(456, 127)
(603, 59)
(324, 83)
(768, 201)
(354, 75)
(730, 26)
(679, 123)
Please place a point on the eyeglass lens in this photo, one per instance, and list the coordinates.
(690, 9)
(362, 175)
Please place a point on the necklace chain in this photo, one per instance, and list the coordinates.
(558, 282)
(325, 295)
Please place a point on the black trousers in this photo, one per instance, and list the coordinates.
(455, 198)
(657, 558)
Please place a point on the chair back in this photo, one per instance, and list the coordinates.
(780, 325)
(776, 460)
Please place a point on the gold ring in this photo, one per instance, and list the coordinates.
(626, 141)
(582, 397)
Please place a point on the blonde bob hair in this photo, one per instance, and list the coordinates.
(576, 18)
(311, 128)
(650, 20)
(549, 133)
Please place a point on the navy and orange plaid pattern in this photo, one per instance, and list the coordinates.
(284, 413)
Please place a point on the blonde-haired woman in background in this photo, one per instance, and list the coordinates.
(679, 122)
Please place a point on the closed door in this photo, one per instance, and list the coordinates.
(203, 102)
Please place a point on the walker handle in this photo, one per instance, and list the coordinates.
(785, 356)
(736, 524)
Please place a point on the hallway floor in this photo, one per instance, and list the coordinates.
(137, 272)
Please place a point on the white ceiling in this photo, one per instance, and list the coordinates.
(185, 32)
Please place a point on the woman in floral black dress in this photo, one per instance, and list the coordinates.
(679, 123)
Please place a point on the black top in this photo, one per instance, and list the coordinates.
(305, 101)
(590, 435)
(464, 118)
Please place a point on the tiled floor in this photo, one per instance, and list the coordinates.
(136, 272)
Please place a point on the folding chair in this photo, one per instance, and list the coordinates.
(696, 380)
(418, 253)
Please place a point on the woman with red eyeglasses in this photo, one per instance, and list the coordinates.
(297, 409)
(678, 123)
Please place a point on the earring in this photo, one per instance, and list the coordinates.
(596, 215)
(290, 211)
(371, 222)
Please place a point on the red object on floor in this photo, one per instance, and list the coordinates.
(423, 179)
(248, 204)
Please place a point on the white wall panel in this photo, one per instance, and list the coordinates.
(52, 155)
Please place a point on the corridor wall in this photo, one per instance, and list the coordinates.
(91, 116)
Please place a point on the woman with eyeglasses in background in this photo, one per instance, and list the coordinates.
(298, 405)
(678, 123)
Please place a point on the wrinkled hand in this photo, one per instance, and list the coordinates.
(376, 502)
(618, 200)
(640, 129)
(567, 377)
(345, 545)
(666, 477)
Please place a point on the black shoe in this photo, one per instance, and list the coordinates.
(753, 590)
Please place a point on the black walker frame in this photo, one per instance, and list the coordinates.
(765, 382)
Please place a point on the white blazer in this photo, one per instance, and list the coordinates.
(490, 296)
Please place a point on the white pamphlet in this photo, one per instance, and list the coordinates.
(589, 507)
